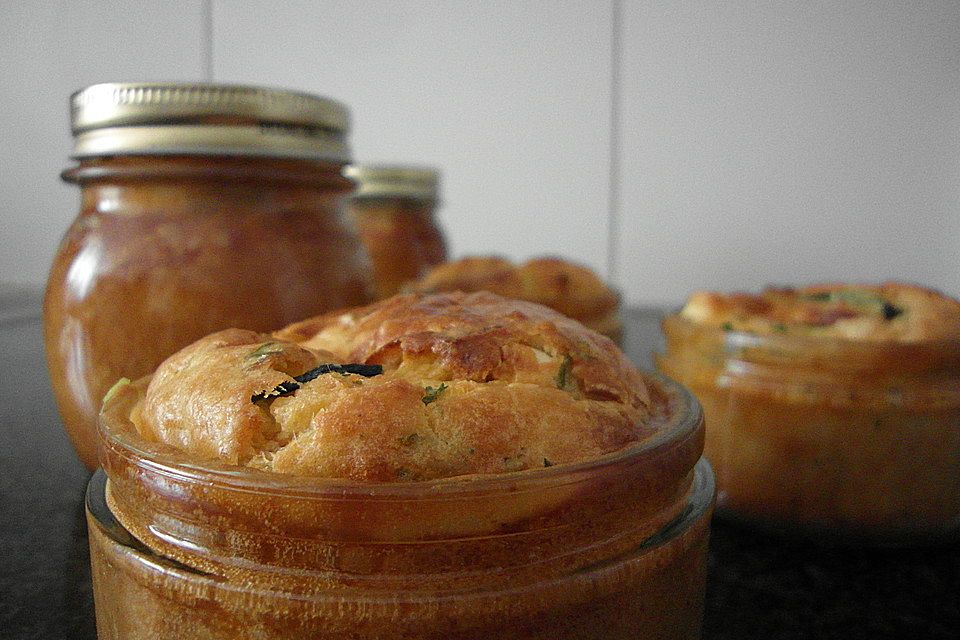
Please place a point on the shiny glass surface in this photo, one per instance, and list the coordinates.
(168, 249)
(401, 236)
(609, 548)
(824, 435)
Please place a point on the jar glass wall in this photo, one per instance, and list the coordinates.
(394, 210)
(827, 436)
(185, 230)
(611, 548)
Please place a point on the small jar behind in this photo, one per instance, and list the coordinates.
(202, 207)
(393, 209)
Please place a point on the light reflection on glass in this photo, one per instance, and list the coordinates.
(83, 269)
(75, 346)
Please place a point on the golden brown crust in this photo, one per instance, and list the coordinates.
(569, 288)
(471, 383)
(890, 311)
(199, 398)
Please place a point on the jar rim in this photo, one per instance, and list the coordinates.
(146, 167)
(118, 437)
(699, 505)
(834, 351)
(248, 523)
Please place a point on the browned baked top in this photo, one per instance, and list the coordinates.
(890, 311)
(571, 289)
(470, 384)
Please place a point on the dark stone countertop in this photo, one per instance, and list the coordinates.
(759, 585)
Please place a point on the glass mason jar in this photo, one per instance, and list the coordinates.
(826, 436)
(394, 211)
(202, 207)
(610, 548)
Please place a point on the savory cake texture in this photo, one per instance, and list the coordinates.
(569, 288)
(410, 388)
(889, 311)
(830, 408)
(271, 479)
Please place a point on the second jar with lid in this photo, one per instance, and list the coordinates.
(202, 207)
(393, 208)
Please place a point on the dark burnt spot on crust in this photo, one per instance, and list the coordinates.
(890, 311)
(365, 370)
(285, 388)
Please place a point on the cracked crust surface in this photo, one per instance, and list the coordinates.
(569, 288)
(890, 311)
(471, 384)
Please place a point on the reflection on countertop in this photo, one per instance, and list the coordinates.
(19, 302)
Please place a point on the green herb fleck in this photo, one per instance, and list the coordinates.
(547, 463)
(264, 350)
(863, 299)
(727, 326)
(513, 464)
(779, 328)
(563, 374)
(433, 393)
(119, 384)
(365, 370)
(859, 298)
(850, 296)
(410, 439)
(584, 350)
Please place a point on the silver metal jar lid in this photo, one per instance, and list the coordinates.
(394, 181)
(206, 119)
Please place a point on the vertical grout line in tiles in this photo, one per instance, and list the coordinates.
(207, 44)
(613, 194)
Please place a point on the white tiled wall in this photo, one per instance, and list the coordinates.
(789, 141)
(50, 49)
(728, 144)
(510, 98)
